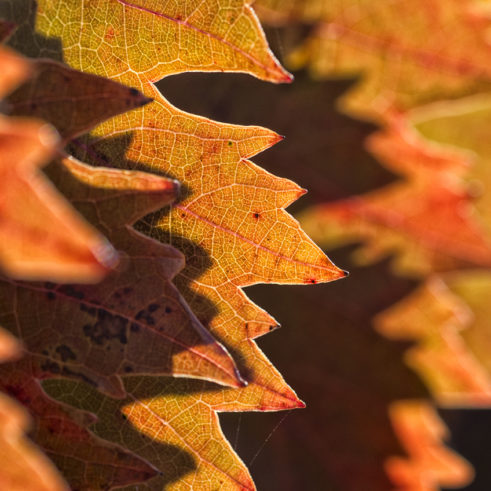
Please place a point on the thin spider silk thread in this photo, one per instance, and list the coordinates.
(287, 413)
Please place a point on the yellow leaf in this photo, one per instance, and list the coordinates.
(407, 52)
(230, 224)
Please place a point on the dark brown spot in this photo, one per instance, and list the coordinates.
(65, 353)
(51, 366)
(144, 315)
(153, 307)
(90, 310)
(108, 327)
(71, 291)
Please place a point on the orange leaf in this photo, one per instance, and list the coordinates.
(72, 101)
(427, 219)
(408, 52)
(354, 381)
(42, 238)
(23, 466)
(431, 465)
(99, 333)
(436, 319)
(230, 224)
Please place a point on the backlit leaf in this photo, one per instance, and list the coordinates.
(99, 333)
(23, 465)
(439, 320)
(72, 101)
(230, 224)
(368, 423)
(86, 460)
(407, 52)
(427, 218)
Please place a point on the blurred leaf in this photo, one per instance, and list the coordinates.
(438, 321)
(428, 218)
(41, 236)
(407, 52)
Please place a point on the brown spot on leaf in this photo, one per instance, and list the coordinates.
(65, 353)
(108, 327)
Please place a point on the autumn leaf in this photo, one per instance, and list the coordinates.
(44, 238)
(101, 333)
(73, 102)
(438, 320)
(430, 465)
(230, 224)
(407, 53)
(368, 423)
(24, 467)
(428, 218)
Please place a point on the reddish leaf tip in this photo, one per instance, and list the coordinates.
(287, 78)
(276, 138)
